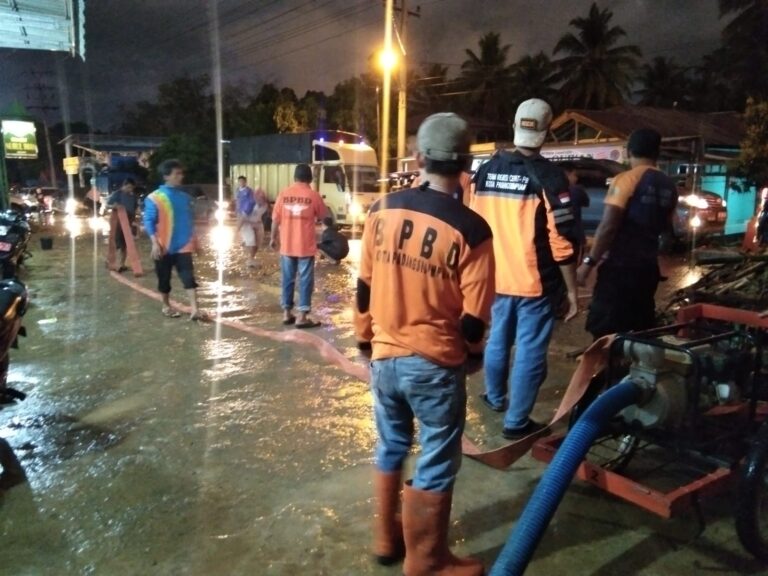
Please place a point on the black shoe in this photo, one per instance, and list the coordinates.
(517, 433)
(484, 398)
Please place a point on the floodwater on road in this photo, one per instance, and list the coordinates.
(159, 446)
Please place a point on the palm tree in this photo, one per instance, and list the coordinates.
(746, 47)
(751, 18)
(487, 77)
(427, 92)
(595, 71)
(534, 77)
(664, 84)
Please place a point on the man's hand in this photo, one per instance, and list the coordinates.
(273, 243)
(573, 306)
(157, 250)
(583, 273)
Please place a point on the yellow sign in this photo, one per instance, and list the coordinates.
(72, 165)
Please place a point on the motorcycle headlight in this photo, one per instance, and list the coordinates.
(696, 201)
(3, 230)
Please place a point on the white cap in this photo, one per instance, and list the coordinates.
(532, 121)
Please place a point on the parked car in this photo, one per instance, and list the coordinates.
(702, 210)
(595, 177)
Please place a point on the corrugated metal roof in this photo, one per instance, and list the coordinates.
(114, 143)
(719, 128)
(43, 25)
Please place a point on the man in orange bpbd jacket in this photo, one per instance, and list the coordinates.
(426, 285)
(526, 201)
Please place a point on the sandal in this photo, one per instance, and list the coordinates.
(290, 321)
(171, 313)
(309, 324)
(200, 317)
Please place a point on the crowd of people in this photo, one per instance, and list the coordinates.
(442, 264)
(434, 275)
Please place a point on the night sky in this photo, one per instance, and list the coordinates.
(132, 45)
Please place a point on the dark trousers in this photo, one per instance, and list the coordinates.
(184, 268)
(623, 299)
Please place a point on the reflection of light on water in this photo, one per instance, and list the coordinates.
(221, 211)
(221, 240)
(74, 225)
(353, 259)
(98, 224)
(691, 276)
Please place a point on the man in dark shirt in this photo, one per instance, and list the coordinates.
(638, 208)
(126, 197)
(333, 245)
(579, 200)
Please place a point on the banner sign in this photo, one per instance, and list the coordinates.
(615, 152)
(19, 139)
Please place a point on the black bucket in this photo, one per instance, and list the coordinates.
(46, 243)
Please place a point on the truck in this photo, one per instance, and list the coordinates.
(344, 167)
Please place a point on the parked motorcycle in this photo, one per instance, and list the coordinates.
(13, 305)
(14, 240)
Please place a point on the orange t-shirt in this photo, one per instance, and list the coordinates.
(296, 211)
(427, 263)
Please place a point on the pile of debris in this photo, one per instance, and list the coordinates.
(733, 279)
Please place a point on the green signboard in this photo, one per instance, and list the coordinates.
(19, 139)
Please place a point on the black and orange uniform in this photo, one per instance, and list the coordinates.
(623, 298)
(426, 280)
(526, 202)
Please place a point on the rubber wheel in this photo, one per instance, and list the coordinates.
(752, 500)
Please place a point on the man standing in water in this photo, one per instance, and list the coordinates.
(425, 288)
(169, 220)
(296, 212)
(524, 198)
(251, 207)
(125, 196)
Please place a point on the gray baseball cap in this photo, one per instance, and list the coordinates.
(444, 136)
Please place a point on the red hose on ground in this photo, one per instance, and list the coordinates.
(593, 360)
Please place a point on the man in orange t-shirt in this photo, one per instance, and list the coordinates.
(296, 212)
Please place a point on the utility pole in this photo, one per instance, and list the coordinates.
(45, 94)
(402, 97)
(386, 92)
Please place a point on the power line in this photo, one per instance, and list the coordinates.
(300, 48)
(285, 36)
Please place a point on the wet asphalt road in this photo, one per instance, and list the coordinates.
(159, 446)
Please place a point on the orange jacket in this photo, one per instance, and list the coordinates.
(532, 223)
(426, 277)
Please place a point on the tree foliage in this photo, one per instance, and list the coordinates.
(664, 84)
(596, 71)
(753, 160)
(487, 78)
(591, 66)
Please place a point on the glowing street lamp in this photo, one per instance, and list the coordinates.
(387, 60)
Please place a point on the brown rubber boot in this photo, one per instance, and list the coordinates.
(425, 526)
(388, 545)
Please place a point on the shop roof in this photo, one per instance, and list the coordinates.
(715, 129)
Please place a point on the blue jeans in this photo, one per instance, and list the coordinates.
(408, 387)
(305, 267)
(527, 323)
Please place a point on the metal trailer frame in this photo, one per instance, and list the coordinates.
(723, 469)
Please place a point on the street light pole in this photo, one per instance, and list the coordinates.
(386, 91)
(402, 97)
